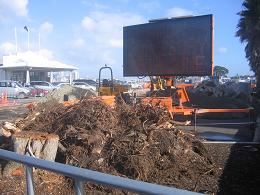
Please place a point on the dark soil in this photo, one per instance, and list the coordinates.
(241, 167)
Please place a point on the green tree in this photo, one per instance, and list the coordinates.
(220, 71)
(249, 33)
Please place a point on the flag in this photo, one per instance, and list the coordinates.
(25, 28)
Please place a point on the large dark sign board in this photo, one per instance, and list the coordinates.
(171, 47)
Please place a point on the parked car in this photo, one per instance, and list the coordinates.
(60, 84)
(87, 81)
(84, 85)
(42, 85)
(37, 92)
(224, 80)
(14, 89)
(135, 85)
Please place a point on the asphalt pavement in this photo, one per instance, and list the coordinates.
(238, 130)
(15, 108)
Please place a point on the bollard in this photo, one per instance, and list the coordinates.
(65, 98)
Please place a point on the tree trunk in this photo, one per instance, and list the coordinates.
(258, 83)
(35, 144)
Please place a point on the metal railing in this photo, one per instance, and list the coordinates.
(204, 111)
(84, 175)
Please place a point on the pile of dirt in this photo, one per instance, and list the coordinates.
(70, 91)
(220, 96)
(232, 90)
(138, 142)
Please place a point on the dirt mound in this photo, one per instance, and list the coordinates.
(232, 90)
(72, 92)
(220, 96)
(138, 142)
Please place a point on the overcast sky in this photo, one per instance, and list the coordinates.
(88, 33)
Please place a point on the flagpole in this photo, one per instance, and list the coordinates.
(15, 37)
(39, 41)
(28, 39)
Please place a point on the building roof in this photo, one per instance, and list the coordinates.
(34, 61)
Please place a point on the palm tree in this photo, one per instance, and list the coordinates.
(249, 33)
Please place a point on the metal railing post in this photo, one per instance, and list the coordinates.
(79, 187)
(195, 120)
(29, 180)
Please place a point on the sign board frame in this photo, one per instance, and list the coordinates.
(169, 47)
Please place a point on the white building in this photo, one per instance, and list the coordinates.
(32, 66)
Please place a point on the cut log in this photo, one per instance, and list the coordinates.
(36, 144)
(11, 127)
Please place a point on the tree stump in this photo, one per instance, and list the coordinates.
(37, 144)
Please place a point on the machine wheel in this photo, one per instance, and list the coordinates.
(41, 94)
(21, 95)
(123, 97)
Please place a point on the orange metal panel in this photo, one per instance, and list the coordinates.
(183, 85)
(109, 100)
(183, 96)
(182, 110)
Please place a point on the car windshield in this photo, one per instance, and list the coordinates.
(18, 84)
(79, 84)
(42, 83)
(87, 81)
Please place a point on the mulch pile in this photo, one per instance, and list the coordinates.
(138, 142)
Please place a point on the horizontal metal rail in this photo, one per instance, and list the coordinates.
(231, 142)
(235, 123)
(222, 110)
(199, 111)
(80, 175)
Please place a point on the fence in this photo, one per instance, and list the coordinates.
(82, 175)
(205, 111)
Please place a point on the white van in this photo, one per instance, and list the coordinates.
(13, 89)
(43, 85)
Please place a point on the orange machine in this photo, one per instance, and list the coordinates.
(108, 87)
(109, 100)
(181, 95)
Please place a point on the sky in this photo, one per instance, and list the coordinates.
(88, 33)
